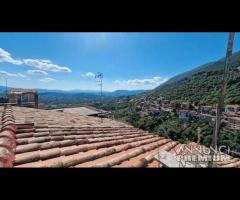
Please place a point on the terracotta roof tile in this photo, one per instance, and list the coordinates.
(235, 164)
(44, 138)
(227, 162)
(7, 138)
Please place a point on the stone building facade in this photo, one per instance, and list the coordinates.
(23, 97)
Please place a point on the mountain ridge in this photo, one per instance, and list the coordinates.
(76, 91)
(201, 84)
(210, 66)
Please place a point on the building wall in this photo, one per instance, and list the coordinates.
(28, 99)
(234, 124)
(232, 108)
(13, 98)
(183, 116)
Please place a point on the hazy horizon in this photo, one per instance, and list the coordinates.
(67, 90)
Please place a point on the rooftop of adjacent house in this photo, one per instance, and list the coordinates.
(46, 138)
(230, 114)
(85, 111)
(233, 106)
(184, 111)
(187, 102)
(19, 91)
(207, 115)
(235, 118)
(206, 106)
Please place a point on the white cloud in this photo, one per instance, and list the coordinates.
(6, 57)
(37, 72)
(157, 80)
(46, 65)
(40, 64)
(18, 75)
(47, 80)
(89, 75)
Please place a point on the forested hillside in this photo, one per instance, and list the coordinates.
(199, 86)
(202, 84)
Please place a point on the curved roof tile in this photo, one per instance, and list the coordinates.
(44, 138)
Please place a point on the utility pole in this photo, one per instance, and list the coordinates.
(221, 95)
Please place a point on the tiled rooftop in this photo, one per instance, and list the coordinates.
(235, 118)
(81, 111)
(44, 138)
(232, 106)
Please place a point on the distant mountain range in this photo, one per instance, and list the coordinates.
(93, 93)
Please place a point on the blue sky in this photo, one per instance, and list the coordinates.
(127, 60)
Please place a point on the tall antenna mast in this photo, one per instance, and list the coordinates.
(99, 77)
(220, 105)
(6, 87)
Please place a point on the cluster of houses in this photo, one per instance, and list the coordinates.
(188, 111)
(154, 106)
(231, 114)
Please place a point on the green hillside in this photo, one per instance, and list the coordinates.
(201, 84)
